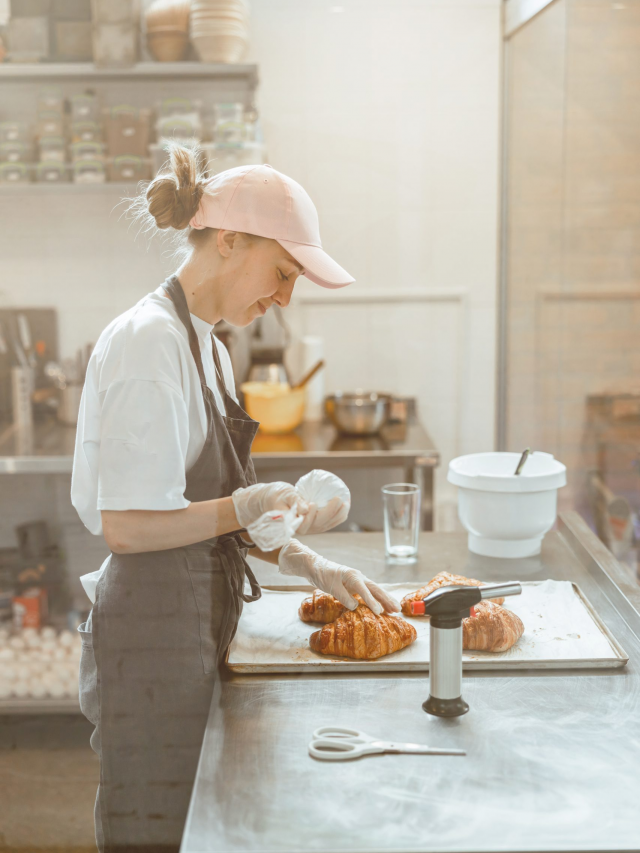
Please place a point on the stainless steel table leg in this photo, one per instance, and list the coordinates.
(422, 474)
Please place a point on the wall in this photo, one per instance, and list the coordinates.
(389, 115)
(573, 224)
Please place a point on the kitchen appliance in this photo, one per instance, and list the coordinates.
(32, 329)
(267, 365)
(507, 515)
(358, 413)
(447, 607)
(334, 743)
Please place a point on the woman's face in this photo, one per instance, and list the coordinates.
(255, 274)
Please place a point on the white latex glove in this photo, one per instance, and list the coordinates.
(340, 581)
(320, 519)
(253, 501)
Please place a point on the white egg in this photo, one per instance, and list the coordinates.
(35, 666)
(5, 690)
(20, 689)
(17, 643)
(37, 689)
(60, 653)
(8, 674)
(48, 678)
(4, 636)
(7, 653)
(66, 638)
(48, 633)
(57, 689)
(70, 689)
(33, 641)
(28, 634)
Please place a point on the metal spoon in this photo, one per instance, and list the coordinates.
(525, 455)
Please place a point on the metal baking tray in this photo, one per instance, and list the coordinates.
(272, 639)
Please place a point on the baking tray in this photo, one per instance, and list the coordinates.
(562, 631)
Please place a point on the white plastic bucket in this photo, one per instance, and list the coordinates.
(505, 515)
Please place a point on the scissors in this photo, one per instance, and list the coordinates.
(333, 743)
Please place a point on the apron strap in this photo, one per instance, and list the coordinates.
(236, 568)
(218, 365)
(174, 291)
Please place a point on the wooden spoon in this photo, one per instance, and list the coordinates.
(309, 375)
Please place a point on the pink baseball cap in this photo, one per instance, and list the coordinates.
(259, 200)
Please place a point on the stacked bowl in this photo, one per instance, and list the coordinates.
(167, 23)
(220, 29)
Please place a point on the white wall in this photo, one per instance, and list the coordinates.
(388, 113)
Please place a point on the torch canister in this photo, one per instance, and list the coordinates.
(447, 607)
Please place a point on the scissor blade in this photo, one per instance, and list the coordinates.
(430, 750)
(418, 749)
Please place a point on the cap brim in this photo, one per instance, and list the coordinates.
(318, 266)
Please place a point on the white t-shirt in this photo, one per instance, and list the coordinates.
(142, 421)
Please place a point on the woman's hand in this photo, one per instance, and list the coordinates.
(253, 501)
(320, 519)
(340, 581)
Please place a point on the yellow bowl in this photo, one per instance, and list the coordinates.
(274, 405)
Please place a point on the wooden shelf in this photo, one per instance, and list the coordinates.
(40, 706)
(54, 71)
(33, 188)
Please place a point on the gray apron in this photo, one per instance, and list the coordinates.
(160, 626)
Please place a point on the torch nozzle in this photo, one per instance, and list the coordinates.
(500, 590)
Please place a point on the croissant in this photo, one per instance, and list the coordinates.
(362, 635)
(320, 607)
(441, 579)
(492, 629)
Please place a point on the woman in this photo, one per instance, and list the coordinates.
(162, 469)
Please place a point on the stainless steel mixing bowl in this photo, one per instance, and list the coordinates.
(359, 413)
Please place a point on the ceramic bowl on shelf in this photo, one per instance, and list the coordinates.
(167, 44)
(219, 48)
(168, 14)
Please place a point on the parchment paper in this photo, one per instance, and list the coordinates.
(560, 631)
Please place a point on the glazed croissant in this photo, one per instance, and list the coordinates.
(362, 635)
(440, 580)
(320, 607)
(492, 629)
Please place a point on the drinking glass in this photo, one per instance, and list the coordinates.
(401, 506)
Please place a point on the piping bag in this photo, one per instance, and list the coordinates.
(277, 527)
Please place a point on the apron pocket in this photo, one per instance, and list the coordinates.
(215, 611)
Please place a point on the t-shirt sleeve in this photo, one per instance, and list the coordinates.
(143, 446)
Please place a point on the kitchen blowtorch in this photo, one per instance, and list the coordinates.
(447, 607)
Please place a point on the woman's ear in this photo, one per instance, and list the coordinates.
(226, 241)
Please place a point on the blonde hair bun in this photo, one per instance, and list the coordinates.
(173, 197)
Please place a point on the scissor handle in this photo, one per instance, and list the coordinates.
(340, 732)
(335, 749)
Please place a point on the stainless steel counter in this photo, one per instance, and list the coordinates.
(48, 449)
(552, 759)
